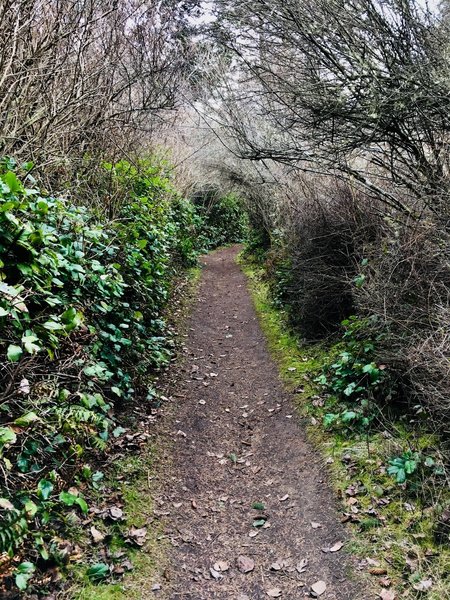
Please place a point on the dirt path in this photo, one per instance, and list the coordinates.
(237, 443)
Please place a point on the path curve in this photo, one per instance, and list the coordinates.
(237, 442)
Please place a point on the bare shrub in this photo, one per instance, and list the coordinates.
(86, 79)
(324, 237)
(407, 286)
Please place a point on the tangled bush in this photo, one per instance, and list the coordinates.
(323, 240)
(405, 282)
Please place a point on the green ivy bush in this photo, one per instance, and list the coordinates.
(81, 321)
(222, 220)
(353, 379)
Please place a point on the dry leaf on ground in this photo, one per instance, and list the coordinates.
(319, 587)
(97, 535)
(245, 564)
(301, 567)
(334, 548)
(387, 595)
(424, 585)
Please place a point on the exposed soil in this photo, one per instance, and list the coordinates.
(237, 442)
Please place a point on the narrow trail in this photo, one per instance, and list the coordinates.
(237, 442)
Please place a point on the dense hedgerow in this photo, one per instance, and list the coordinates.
(223, 219)
(82, 329)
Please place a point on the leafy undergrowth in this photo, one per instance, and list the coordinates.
(83, 336)
(387, 470)
(125, 539)
(123, 535)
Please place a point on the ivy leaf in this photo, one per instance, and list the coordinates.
(12, 182)
(30, 508)
(71, 318)
(52, 326)
(14, 353)
(7, 436)
(82, 504)
(259, 522)
(117, 432)
(348, 415)
(98, 572)
(329, 419)
(67, 498)
(26, 419)
(29, 343)
(45, 488)
(13, 295)
(23, 573)
(70, 499)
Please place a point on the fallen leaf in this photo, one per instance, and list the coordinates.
(97, 535)
(319, 587)
(137, 535)
(387, 595)
(274, 592)
(334, 548)
(215, 574)
(301, 567)
(351, 491)
(6, 504)
(24, 387)
(245, 564)
(115, 513)
(424, 585)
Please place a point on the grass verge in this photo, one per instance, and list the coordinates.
(394, 528)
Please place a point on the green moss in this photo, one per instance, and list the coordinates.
(395, 524)
(137, 493)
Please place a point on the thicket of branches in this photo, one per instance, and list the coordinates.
(89, 78)
(351, 101)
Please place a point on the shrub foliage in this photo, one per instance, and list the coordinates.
(82, 303)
